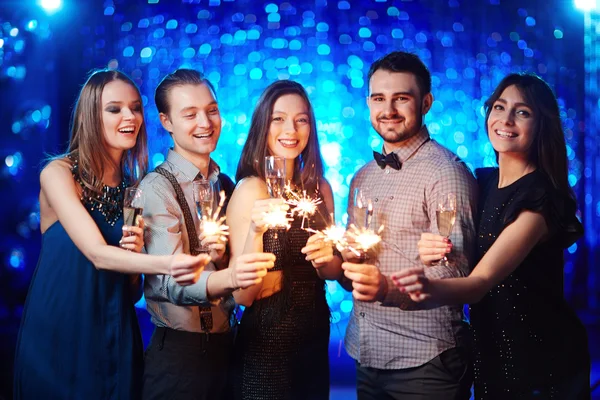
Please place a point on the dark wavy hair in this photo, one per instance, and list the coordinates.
(548, 151)
(308, 168)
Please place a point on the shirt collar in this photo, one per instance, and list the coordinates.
(411, 145)
(189, 170)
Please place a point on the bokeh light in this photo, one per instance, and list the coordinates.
(328, 46)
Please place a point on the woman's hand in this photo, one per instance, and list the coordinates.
(317, 250)
(260, 210)
(133, 237)
(413, 282)
(433, 247)
(250, 269)
(186, 269)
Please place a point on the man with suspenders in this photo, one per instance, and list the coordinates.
(188, 355)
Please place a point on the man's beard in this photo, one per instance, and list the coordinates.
(401, 136)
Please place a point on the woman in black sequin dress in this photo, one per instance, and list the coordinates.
(281, 350)
(528, 343)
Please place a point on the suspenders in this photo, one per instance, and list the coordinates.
(206, 318)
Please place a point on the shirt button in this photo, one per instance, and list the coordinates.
(391, 197)
(362, 314)
(376, 199)
(387, 171)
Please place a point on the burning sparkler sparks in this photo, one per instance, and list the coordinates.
(303, 205)
(333, 234)
(277, 217)
(363, 239)
(211, 223)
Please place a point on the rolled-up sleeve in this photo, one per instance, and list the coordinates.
(163, 236)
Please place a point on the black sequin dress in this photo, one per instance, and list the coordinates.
(281, 349)
(527, 339)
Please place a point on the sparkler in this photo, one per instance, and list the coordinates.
(363, 239)
(302, 204)
(277, 217)
(332, 234)
(212, 224)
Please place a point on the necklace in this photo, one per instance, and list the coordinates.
(109, 202)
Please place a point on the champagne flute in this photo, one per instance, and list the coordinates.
(446, 216)
(275, 175)
(362, 213)
(362, 209)
(275, 178)
(133, 206)
(204, 196)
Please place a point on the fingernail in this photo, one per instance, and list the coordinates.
(445, 240)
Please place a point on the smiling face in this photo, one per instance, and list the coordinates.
(511, 123)
(289, 129)
(194, 120)
(396, 105)
(122, 116)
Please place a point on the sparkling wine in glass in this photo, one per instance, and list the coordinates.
(133, 206)
(204, 196)
(362, 209)
(275, 175)
(446, 216)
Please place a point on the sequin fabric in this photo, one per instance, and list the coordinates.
(109, 202)
(281, 350)
(526, 338)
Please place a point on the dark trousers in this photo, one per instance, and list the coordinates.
(447, 377)
(186, 365)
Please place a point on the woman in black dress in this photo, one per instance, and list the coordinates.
(281, 350)
(528, 342)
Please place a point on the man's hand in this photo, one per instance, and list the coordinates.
(216, 245)
(368, 284)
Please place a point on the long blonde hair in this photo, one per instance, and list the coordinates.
(87, 143)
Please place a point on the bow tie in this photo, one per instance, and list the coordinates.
(389, 159)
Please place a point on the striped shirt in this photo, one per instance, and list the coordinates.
(169, 304)
(396, 333)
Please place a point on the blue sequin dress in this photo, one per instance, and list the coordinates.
(79, 336)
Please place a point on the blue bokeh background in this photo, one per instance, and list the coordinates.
(328, 46)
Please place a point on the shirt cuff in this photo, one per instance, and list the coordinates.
(394, 297)
(198, 291)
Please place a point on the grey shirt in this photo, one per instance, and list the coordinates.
(396, 333)
(169, 304)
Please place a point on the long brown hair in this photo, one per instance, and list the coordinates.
(87, 144)
(548, 151)
(308, 167)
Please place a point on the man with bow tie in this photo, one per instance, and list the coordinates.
(401, 349)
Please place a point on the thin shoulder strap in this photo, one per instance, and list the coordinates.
(205, 312)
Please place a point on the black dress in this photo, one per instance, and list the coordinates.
(527, 339)
(281, 349)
